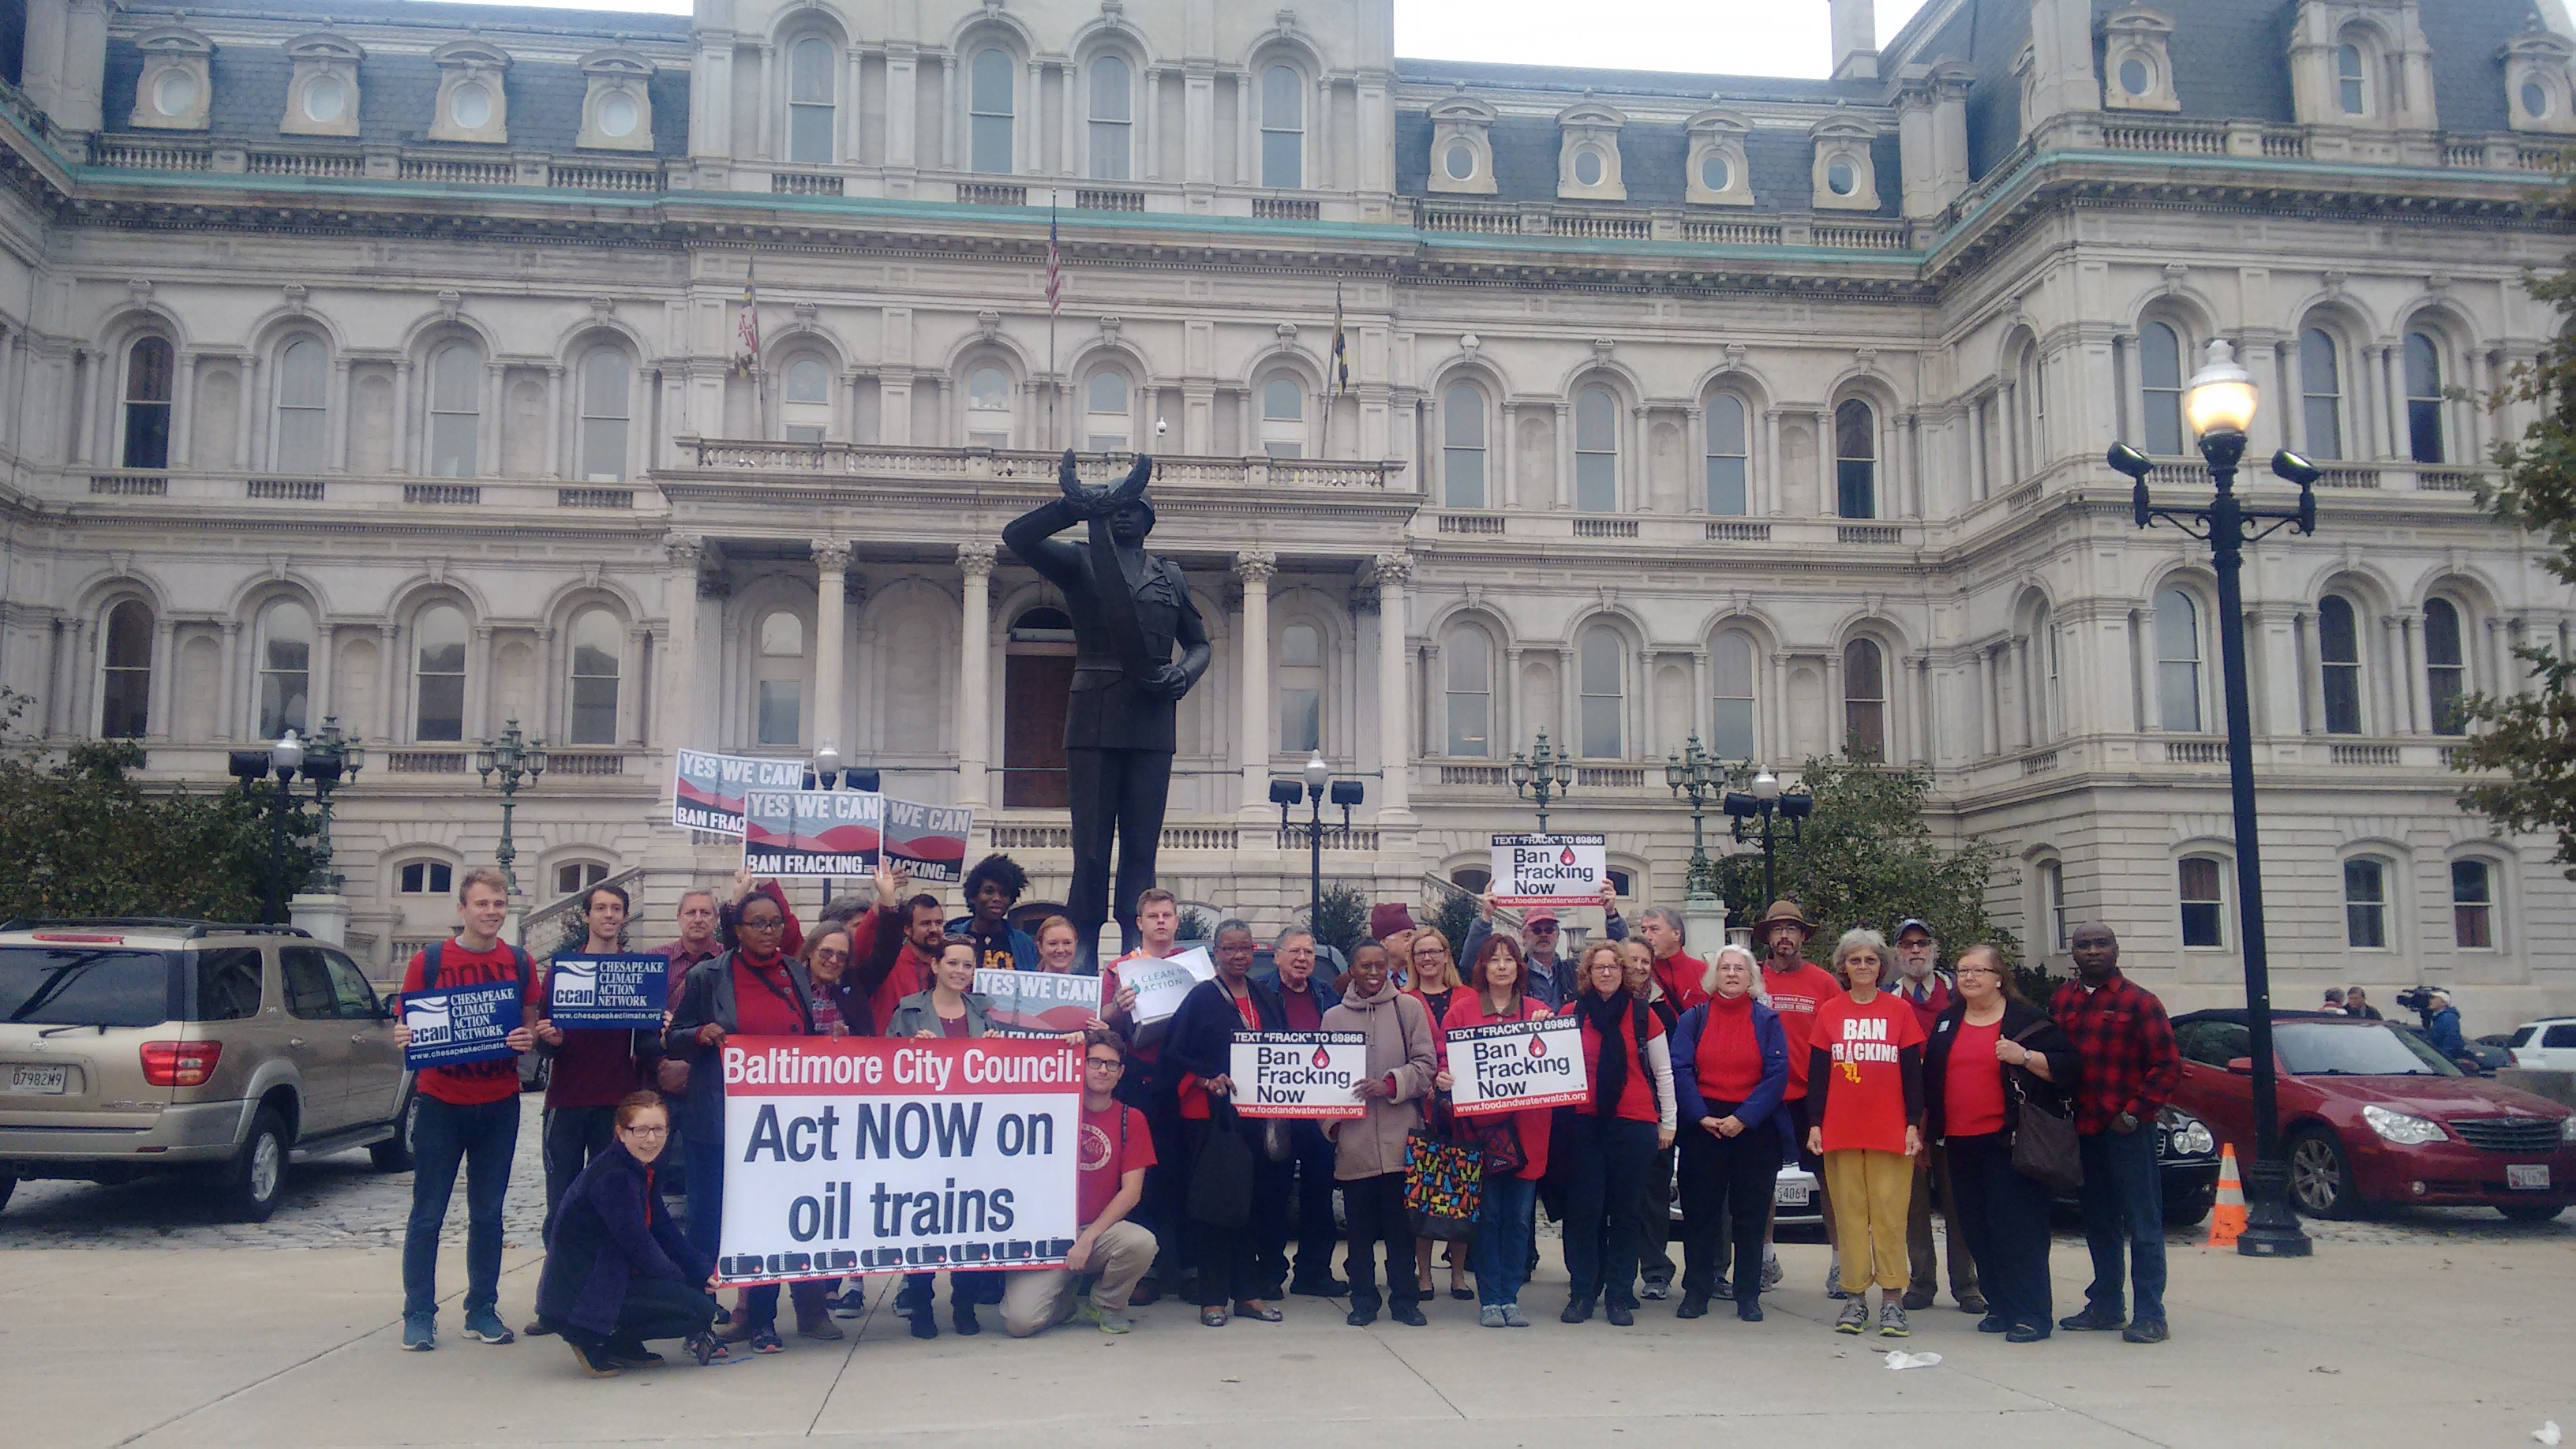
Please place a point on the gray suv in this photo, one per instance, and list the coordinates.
(138, 1046)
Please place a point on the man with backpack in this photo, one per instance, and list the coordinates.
(468, 1115)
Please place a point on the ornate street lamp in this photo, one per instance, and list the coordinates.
(1701, 777)
(1312, 783)
(2220, 403)
(1766, 802)
(1542, 775)
(331, 759)
(510, 762)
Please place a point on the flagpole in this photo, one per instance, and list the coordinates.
(1052, 295)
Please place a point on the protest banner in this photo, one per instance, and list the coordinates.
(1160, 984)
(928, 839)
(452, 1025)
(865, 1155)
(620, 992)
(1038, 1001)
(1549, 870)
(1298, 1073)
(1515, 1064)
(707, 788)
(811, 832)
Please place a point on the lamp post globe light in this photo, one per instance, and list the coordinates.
(328, 759)
(1698, 776)
(2219, 402)
(332, 759)
(1544, 774)
(510, 763)
(1314, 782)
(1765, 801)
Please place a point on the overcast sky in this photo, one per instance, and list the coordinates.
(1726, 37)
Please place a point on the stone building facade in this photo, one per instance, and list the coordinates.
(383, 363)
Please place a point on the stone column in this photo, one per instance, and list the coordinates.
(235, 693)
(335, 446)
(1987, 728)
(401, 458)
(2312, 702)
(975, 677)
(388, 680)
(556, 423)
(2410, 630)
(159, 691)
(679, 680)
(1252, 645)
(831, 618)
(1394, 711)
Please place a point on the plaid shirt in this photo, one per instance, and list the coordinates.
(2127, 1045)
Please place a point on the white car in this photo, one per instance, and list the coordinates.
(2546, 1045)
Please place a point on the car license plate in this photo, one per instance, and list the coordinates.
(1791, 1194)
(2522, 1176)
(52, 1080)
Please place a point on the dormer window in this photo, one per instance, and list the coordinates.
(617, 109)
(2538, 78)
(473, 103)
(1845, 175)
(2137, 63)
(1462, 150)
(2362, 66)
(1588, 153)
(175, 87)
(1715, 173)
(322, 94)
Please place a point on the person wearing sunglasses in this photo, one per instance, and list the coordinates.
(1109, 1252)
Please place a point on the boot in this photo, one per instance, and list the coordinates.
(814, 1320)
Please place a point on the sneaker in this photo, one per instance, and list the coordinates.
(1653, 1290)
(1513, 1317)
(1771, 1272)
(1855, 1317)
(1109, 1322)
(1490, 1316)
(1722, 1290)
(420, 1333)
(851, 1304)
(2145, 1330)
(534, 1328)
(2093, 1320)
(593, 1362)
(485, 1326)
(1694, 1305)
(1915, 1302)
(766, 1340)
(1891, 1322)
(1834, 1277)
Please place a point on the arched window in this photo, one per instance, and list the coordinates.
(2177, 662)
(1462, 446)
(1301, 688)
(1730, 667)
(2201, 885)
(1602, 672)
(2423, 399)
(604, 378)
(425, 878)
(1729, 452)
(285, 667)
(1283, 418)
(1596, 450)
(1283, 127)
(988, 111)
(2320, 394)
(2052, 906)
(2365, 903)
(805, 411)
(125, 700)
(438, 681)
(988, 408)
(1856, 459)
(2160, 386)
(809, 100)
(778, 678)
(2339, 660)
(303, 371)
(1864, 700)
(150, 368)
(578, 875)
(2446, 671)
(2473, 905)
(2352, 92)
(455, 411)
(1470, 658)
(2034, 410)
(1105, 414)
(1112, 113)
(594, 677)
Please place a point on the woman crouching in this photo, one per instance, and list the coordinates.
(618, 1271)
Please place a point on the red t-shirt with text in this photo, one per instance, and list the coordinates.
(1866, 1108)
(473, 1084)
(1114, 1143)
(1797, 995)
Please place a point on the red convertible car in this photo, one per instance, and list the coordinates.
(2372, 1117)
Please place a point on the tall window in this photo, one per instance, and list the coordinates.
(285, 667)
(2034, 410)
(1105, 415)
(1730, 667)
(1112, 111)
(438, 649)
(1283, 418)
(1301, 688)
(1856, 460)
(2365, 903)
(2052, 905)
(2339, 658)
(1864, 700)
(125, 702)
(1471, 692)
(1602, 676)
(2204, 908)
(809, 100)
(594, 677)
(2446, 672)
(779, 680)
(2177, 662)
(302, 401)
(988, 408)
(150, 368)
(2320, 394)
(1462, 450)
(1283, 128)
(2423, 399)
(2351, 91)
(988, 111)
(1596, 450)
(805, 411)
(2160, 384)
(1728, 452)
(604, 376)
(455, 410)
(2472, 905)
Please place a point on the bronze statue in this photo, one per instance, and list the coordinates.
(1119, 719)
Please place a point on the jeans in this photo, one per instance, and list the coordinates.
(1375, 1207)
(1505, 1229)
(483, 1138)
(1607, 1162)
(2004, 1218)
(2124, 1202)
(572, 1137)
(1308, 1213)
(1727, 1185)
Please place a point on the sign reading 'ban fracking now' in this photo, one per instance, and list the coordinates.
(1515, 1064)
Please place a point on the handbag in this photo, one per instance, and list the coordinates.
(1444, 1184)
(1498, 1143)
(1221, 1179)
(1278, 1139)
(2044, 1148)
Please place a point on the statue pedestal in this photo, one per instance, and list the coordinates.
(323, 917)
(1703, 925)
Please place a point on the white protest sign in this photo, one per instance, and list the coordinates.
(1510, 1065)
(1549, 870)
(1298, 1073)
(1160, 984)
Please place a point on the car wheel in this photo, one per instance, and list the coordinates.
(2520, 1212)
(394, 1153)
(2321, 1177)
(257, 1178)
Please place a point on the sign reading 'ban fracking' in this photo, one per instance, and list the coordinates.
(1515, 1064)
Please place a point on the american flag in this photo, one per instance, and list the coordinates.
(746, 327)
(1055, 267)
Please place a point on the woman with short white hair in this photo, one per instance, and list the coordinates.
(1730, 1072)
(1865, 1114)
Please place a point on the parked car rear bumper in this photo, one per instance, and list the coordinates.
(188, 1132)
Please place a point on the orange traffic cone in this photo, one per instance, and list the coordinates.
(2227, 1218)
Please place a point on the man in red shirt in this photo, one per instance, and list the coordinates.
(1115, 1149)
(893, 947)
(467, 1115)
(1922, 984)
(1795, 987)
(1676, 970)
(2131, 1067)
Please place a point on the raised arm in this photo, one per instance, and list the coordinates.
(1032, 536)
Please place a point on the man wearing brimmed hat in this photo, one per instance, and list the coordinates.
(1795, 987)
(1551, 974)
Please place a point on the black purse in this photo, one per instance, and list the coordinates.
(2044, 1148)
(1221, 1180)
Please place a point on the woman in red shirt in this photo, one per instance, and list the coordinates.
(1497, 990)
(1864, 1109)
(1989, 1052)
(1618, 1129)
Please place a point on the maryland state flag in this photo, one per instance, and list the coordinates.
(746, 327)
(1341, 344)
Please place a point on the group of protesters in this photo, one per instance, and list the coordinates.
(1896, 1084)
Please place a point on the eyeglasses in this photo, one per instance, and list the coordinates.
(646, 1131)
(763, 925)
(1979, 971)
(831, 955)
(1543, 928)
(1108, 1063)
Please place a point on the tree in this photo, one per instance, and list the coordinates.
(1453, 916)
(1340, 917)
(1866, 858)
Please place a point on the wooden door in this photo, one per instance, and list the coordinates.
(1033, 695)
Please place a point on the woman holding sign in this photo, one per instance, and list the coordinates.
(618, 1272)
(950, 1008)
(1864, 1110)
(1618, 1129)
(1496, 991)
(1730, 1070)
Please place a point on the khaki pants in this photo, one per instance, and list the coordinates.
(1932, 1179)
(1040, 1298)
(1871, 1192)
